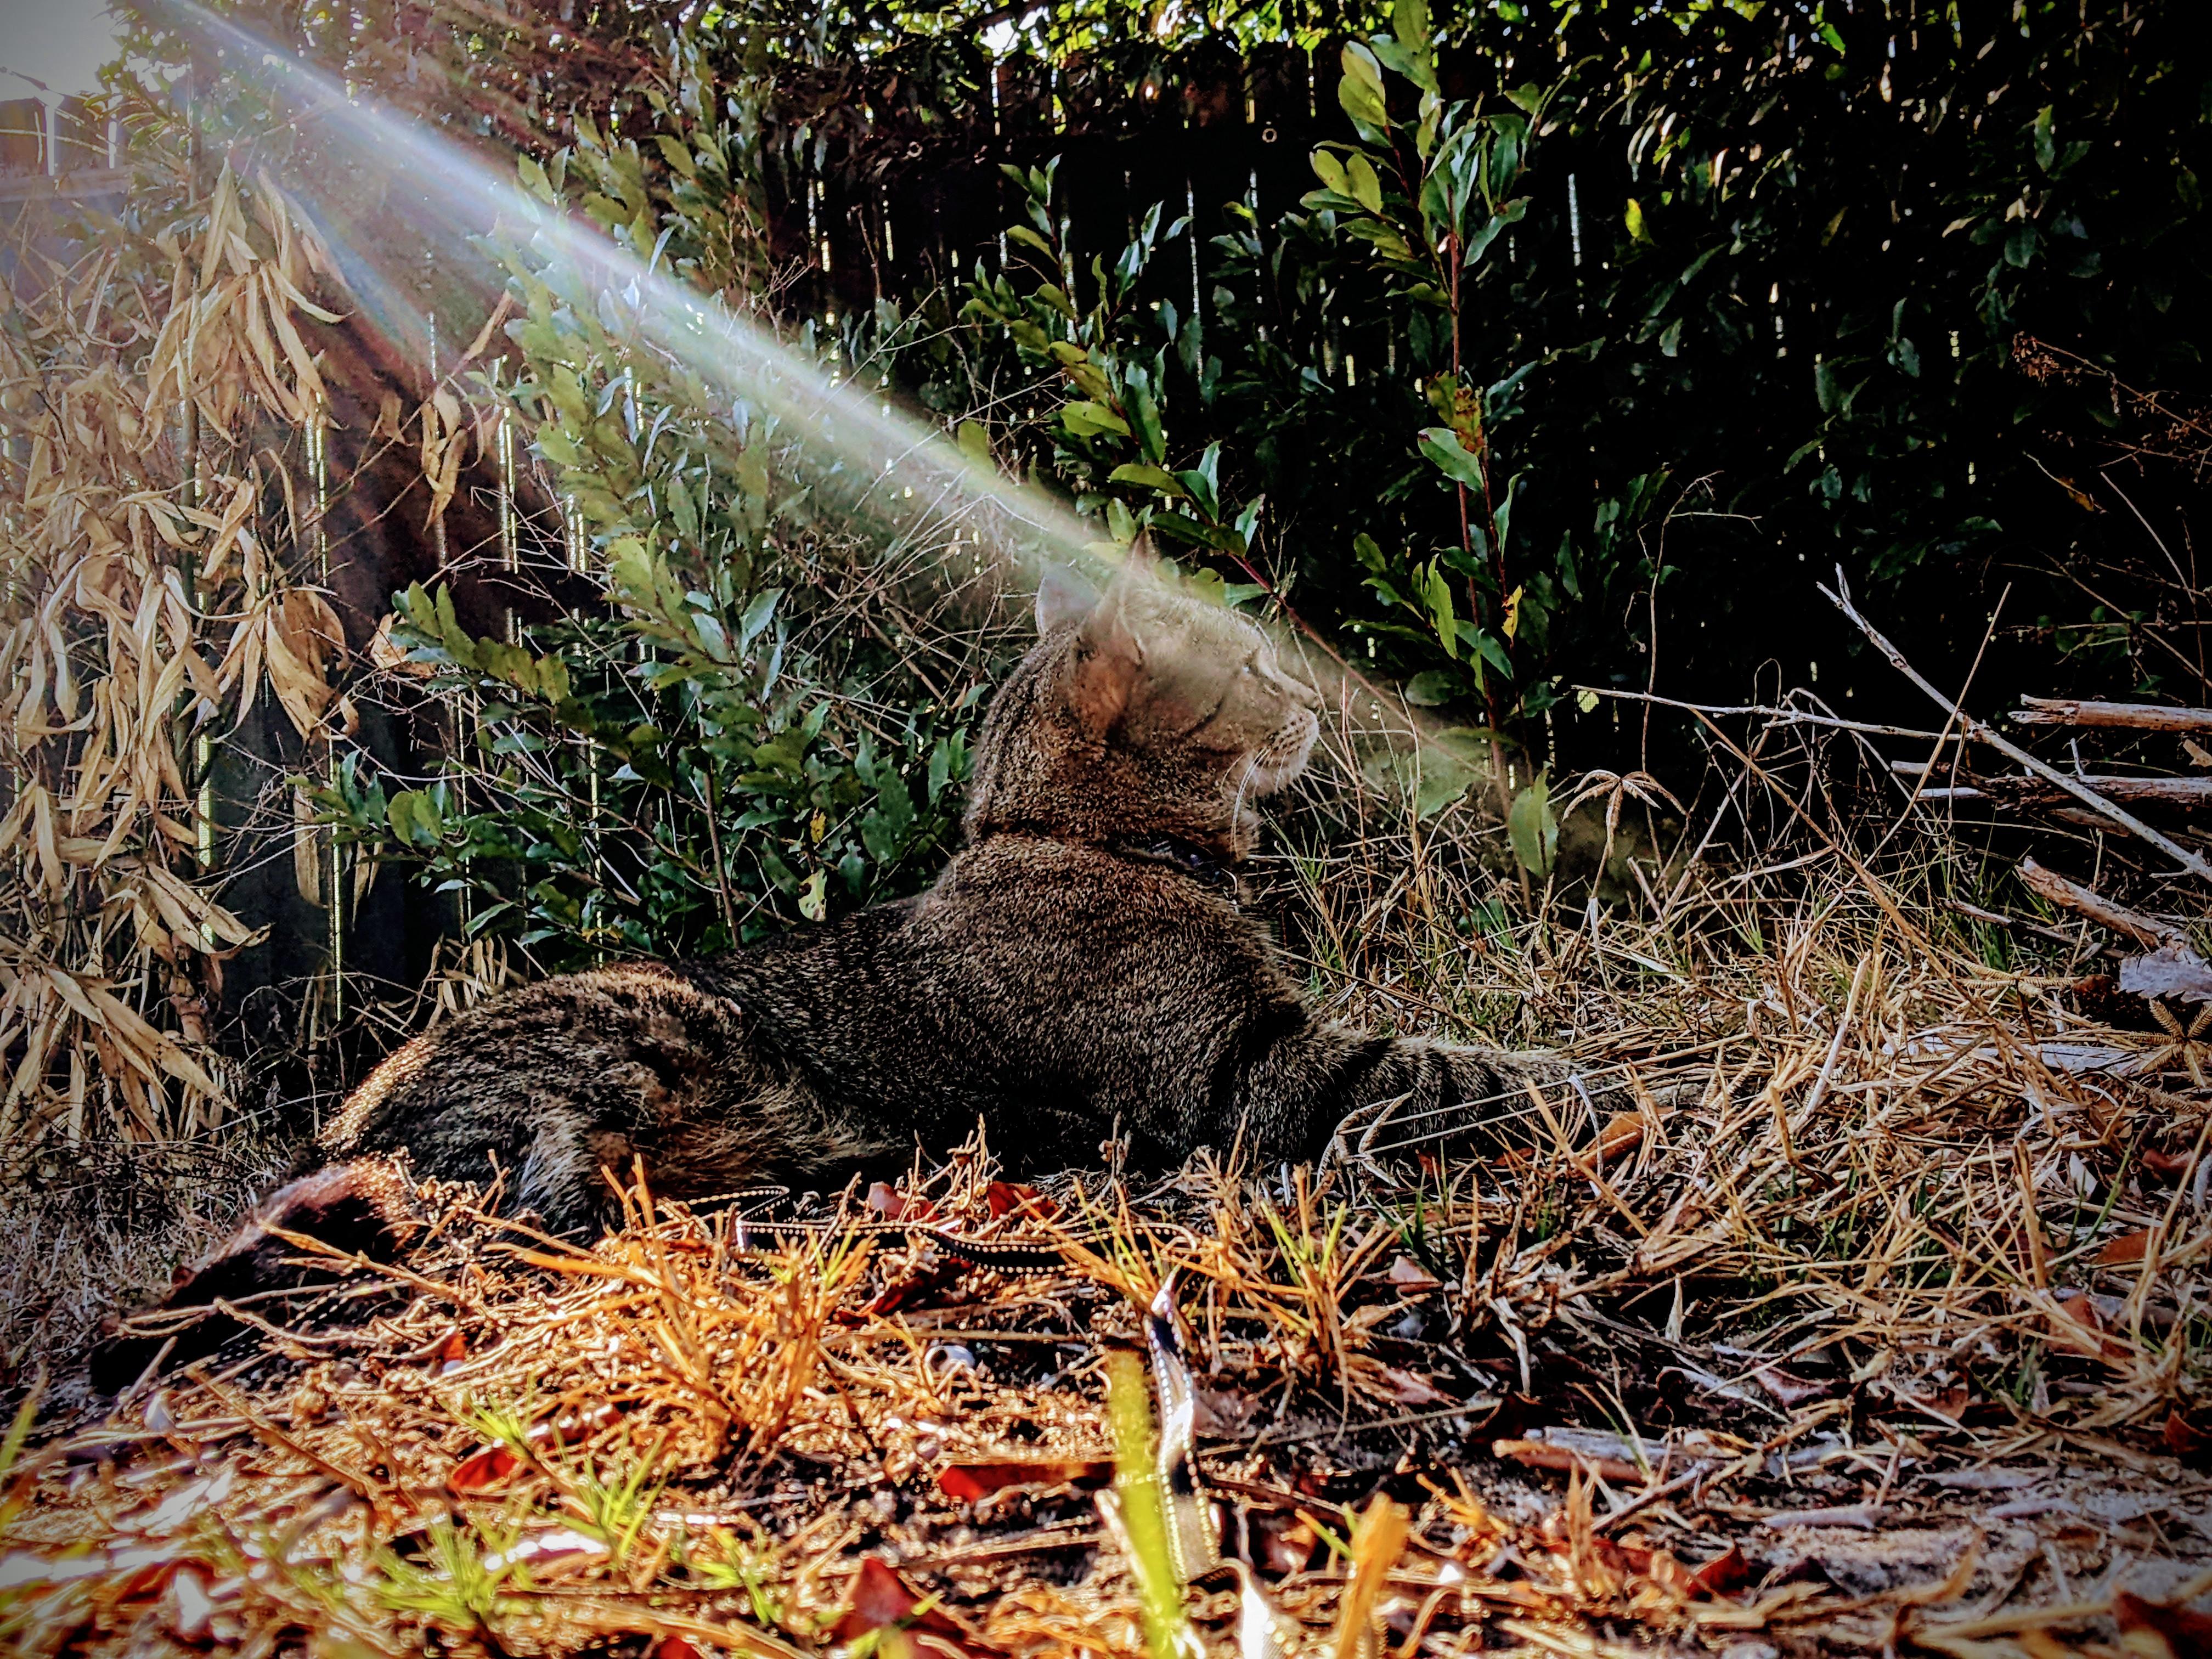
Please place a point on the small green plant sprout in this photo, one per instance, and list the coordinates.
(457, 1586)
(1139, 1509)
(11, 1447)
(1429, 190)
(736, 1564)
(1532, 827)
(617, 1511)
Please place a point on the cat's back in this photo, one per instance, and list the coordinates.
(642, 1031)
(1084, 957)
(1052, 906)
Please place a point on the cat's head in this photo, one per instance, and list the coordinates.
(1141, 712)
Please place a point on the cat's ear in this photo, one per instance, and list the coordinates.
(1138, 572)
(1062, 597)
(1106, 668)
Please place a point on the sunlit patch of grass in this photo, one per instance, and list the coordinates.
(730, 1562)
(617, 1511)
(1323, 1337)
(462, 1584)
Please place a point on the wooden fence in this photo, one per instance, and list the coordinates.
(1213, 131)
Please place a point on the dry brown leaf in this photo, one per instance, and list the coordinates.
(1411, 1278)
(2156, 1631)
(2127, 1249)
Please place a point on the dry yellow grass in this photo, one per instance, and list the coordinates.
(1880, 1322)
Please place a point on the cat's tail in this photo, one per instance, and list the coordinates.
(364, 1206)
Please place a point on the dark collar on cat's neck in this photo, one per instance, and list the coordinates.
(1206, 866)
(1203, 865)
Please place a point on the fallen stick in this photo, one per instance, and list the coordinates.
(2030, 792)
(1840, 596)
(2133, 716)
(1997, 920)
(2050, 884)
(1779, 716)
(2170, 791)
(1543, 1455)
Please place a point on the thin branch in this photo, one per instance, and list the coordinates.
(1784, 716)
(2146, 930)
(2193, 862)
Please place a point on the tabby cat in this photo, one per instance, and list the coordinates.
(1081, 970)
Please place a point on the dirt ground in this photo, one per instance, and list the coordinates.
(1878, 1324)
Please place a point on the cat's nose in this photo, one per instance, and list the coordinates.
(1301, 694)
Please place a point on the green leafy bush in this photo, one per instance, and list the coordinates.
(1713, 298)
(1416, 552)
(705, 751)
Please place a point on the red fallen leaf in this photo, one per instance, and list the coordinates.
(2081, 1322)
(881, 1598)
(894, 1206)
(1409, 1390)
(481, 1469)
(1722, 1575)
(916, 1287)
(453, 1350)
(676, 1647)
(2167, 1166)
(2183, 1633)
(2128, 1247)
(974, 1481)
(908, 1291)
(1007, 1198)
(1410, 1275)
(2185, 1440)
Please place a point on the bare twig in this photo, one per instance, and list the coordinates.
(2031, 792)
(2193, 862)
(1784, 716)
(2050, 884)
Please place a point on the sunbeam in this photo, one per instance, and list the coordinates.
(898, 480)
